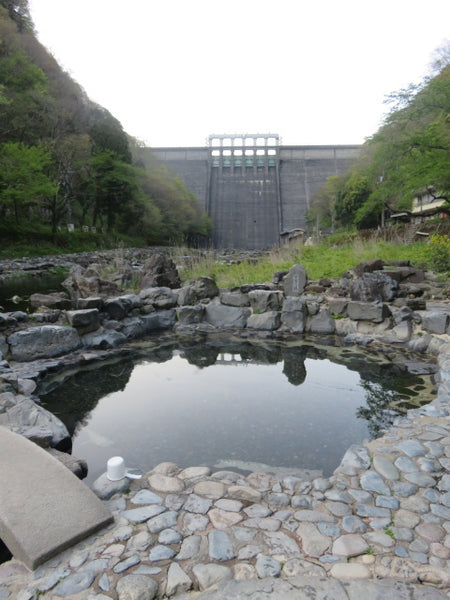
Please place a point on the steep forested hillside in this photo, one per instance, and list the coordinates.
(64, 159)
(408, 155)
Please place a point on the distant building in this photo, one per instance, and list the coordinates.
(425, 207)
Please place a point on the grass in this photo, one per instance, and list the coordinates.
(321, 260)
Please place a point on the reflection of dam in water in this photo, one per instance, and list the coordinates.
(290, 406)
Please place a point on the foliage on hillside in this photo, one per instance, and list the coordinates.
(64, 159)
(408, 155)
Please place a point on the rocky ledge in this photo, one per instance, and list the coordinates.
(384, 514)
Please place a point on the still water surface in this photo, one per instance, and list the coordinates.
(298, 407)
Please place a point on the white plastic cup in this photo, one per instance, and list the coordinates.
(115, 468)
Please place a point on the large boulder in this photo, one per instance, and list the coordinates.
(368, 311)
(262, 300)
(234, 297)
(376, 264)
(295, 281)
(158, 298)
(322, 322)
(53, 300)
(226, 316)
(294, 314)
(373, 287)
(159, 271)
(198, 289)
(119, 307)
(43, 342)
(85, 320)
(189, 315)
(435, 321)
(269, 320)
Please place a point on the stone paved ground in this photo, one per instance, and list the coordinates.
(383, 515)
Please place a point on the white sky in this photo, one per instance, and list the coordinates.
(175, 71)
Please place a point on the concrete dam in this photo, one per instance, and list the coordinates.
(256, 191)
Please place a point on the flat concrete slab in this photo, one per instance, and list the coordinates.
(44, 507)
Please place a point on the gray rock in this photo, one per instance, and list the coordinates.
(403, 489)
(267, 566)
(384, 467)
(375, 312)
(411, 448)
(265, 300)
(189, 315)
(140, 515)
(160, 298)
(220, 546)
(226, 316)
(161, 552)
(373, 287)
(169, 536)
(105, 489)
(197, 289)
(103, 339)
(267, 321)
(294, 314)
(322, 322)
(355, 459)
(313, 542)
(197, 504)
(161, 319)
(43, 342)
(136, 587)
(146, 497)
(420, 479)
(75, 583)
(163, 521)
(350, 545)
(84, 321)
(373, 482)
(190, 547)
(387, 502)
(295, 281)
(406, 465)
(211, 574)
(365, 510)
(234, 298)
(177, 580)
(126, 564)
(435, 321)
(353, 524)
(118, 308)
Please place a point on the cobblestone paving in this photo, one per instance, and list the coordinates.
(384, 517)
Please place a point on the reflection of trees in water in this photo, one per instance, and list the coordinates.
(73, 401)
(378, 412)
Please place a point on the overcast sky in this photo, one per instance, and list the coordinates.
(175, 71)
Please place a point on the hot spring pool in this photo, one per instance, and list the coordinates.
(232, 404)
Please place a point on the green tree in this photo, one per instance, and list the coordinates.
(23, 179)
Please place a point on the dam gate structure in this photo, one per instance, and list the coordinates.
(256, 191)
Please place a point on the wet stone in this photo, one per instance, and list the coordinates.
(401, 551)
